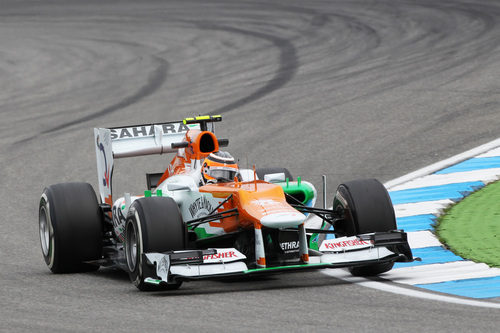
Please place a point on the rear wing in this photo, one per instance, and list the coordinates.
(138, 140)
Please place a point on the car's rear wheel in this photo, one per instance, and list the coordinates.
(70, 226)
(368, 208)
(154, 224)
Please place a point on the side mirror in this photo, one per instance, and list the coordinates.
(275, 177)
(177, 187)
(152, 179)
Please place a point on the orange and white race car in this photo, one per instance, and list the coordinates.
(204, 217)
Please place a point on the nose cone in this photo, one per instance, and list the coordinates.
(283, 220)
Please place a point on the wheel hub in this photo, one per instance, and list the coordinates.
(44, 232)
(131, 249)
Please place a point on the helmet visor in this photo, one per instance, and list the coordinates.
(227, 174)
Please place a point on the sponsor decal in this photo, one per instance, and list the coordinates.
(144, 131)
(200, 207)
(271, 206)
(171, 169)
(223, 255)
(162, 268)
(119, 221)
(289, 247)
(344, 244)
(289, 242)
(266, 202)
(100, 146)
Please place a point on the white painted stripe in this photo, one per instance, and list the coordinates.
(435, 273)
(486, 176)
(420, 239)
(387, 287)
(444, 163)
(421, 208)
(492, 153)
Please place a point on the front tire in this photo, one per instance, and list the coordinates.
(368, 208)
(154, 224)
(70, 223)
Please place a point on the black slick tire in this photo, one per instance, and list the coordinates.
(71, 227)
(153, 224)
(368, 208)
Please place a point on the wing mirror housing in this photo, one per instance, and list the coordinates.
(275, 177)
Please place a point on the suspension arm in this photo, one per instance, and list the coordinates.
(212, 217)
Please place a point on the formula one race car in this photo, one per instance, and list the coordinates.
(206, 218)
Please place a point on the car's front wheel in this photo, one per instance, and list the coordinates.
(153, 224)
(368, 208)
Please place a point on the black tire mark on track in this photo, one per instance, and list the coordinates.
(155, 80)
(288, 65)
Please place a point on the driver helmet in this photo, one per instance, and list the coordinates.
(219, 166)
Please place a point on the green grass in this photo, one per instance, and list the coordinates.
(471, 228)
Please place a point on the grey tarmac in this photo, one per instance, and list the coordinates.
(350, 89)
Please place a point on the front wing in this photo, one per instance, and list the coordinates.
(367, 249)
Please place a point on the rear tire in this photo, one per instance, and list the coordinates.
(261, 172)
(153, 225)
(368, 208)
(71, 224)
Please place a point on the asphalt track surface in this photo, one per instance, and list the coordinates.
(347, 88)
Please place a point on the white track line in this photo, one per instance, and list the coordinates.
(492, 153)
(486, 176)
(419, 239)
(435, 273)
(418, 293)
(444, 164)
(421, 208)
